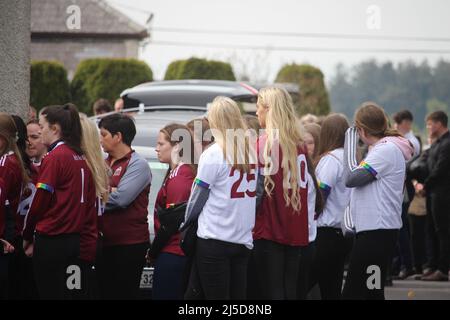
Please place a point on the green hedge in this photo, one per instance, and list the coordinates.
(313, 94)
(195, 68)
(106, 78)
(48, 84)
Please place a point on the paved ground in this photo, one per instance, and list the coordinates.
(418, 290)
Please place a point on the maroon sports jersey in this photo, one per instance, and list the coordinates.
(176, 189)
(65, 176)
(28, 192)
(2, 208)
(274, 220)
(128, 225)
(11, 173)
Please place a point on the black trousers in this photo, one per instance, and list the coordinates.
(440, 213)
(22, 285)
(119, 271)
(417, 225)
(371, 254)
(222, 269)
(277, 269)
(55, 262)
(305, 281)
(332, 249)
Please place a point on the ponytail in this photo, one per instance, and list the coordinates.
(372, 118)
(69, 120)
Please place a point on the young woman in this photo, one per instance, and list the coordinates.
(63, 203)
(311, 134)
(170, 260)
(376, 200)
(90, 145)
(331, 245)
(311, 137)
(12, 177)
(35, 148)
(281, 227)
(22, 284)
(224, 198)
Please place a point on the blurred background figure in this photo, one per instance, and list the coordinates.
(118, 105)
(32, 113)
(101, 106)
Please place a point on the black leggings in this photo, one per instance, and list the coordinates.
(119, 271)
(305, 281)
(328, 267)
(277, 269)
(52, 257)
(372, 252)
(222, 269)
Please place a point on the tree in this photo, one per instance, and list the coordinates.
(195, 68)
(436, 105)
(106, 78)
(313, 94)
(48, 84)
(342, 92)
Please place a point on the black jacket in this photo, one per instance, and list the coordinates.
(438, 162)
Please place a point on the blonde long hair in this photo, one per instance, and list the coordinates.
(223, 115)
(281, 117)
(90, 144)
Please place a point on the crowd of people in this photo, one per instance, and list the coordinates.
(265, 207)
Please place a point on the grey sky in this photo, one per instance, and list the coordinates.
(404, 18)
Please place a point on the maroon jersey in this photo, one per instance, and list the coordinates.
(176, 189)
(274, 220)
(28, 192)
(2, 208)
(126, 225)
(66, 181)
(11, 173)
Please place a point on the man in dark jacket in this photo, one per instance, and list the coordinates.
(437, 185)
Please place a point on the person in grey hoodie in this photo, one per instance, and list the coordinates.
(376, 199)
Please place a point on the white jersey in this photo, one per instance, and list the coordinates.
(312, 223)
(378, 205)
(330, 176)
(229, 213)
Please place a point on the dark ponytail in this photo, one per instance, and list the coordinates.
(69, 120)
(22, 140)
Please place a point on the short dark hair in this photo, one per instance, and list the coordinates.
(102, 105)
(438, 116)
(116, 123)
(402, 115)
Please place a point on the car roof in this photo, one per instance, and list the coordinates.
(187, 92)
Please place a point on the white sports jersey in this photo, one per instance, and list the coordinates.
(229, 212)
(378, 205)
(312, 224)
(330, 173)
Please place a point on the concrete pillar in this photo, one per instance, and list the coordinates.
(15, 56)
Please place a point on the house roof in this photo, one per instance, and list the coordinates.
(97, 19)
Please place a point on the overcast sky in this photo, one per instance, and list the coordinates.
(419, 28)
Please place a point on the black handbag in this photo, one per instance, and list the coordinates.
(170, 219)
(417, 168)
(189, 239)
